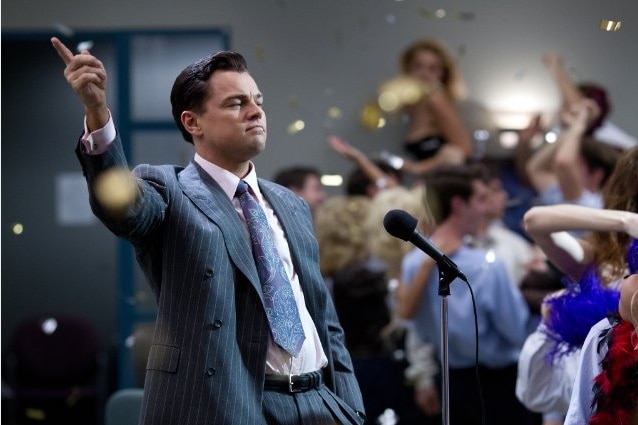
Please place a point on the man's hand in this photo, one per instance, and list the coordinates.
(553, 62)
(533, 128)
(344, 149)
(581, 115)
(87, 76)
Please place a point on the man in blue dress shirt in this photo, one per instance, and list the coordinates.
(459, 198)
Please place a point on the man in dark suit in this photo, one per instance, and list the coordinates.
(214, 359)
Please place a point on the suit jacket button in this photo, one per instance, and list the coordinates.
(208, 273)
(217, 324)
(210, 371)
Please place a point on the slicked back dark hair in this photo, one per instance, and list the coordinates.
(449, 181)
(191, 88)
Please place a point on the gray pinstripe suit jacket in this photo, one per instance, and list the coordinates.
(206, 364)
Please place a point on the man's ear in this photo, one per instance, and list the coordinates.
(190, 122)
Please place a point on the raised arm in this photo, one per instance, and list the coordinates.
(371, 170)
(566, 162)
(548, 225)
(569, 91)
(539, 168)
(524, 149)
(87, 76)
(450, 123)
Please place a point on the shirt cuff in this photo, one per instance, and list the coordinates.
(98, 141)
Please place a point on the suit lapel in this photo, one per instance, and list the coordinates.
(209, 197)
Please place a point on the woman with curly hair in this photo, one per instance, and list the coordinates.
(436, 134)
(595, 266)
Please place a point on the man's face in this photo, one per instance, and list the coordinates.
(498, 199)
(475, 209)
(232, 127)
(312, 191)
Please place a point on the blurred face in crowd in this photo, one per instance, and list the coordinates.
(474, 210)
(498, 199)
(312, 191)
(427, 66)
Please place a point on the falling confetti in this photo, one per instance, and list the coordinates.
(372, 117)
(334, 112)
(116, 190)
(296, 126)
(401, 91)
(609, 25)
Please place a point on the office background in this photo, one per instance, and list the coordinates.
(318, 62)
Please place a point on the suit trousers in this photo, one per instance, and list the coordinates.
(313, 407)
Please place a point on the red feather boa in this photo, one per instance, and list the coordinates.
(616, 387)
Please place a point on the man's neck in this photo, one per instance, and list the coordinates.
(451, 228)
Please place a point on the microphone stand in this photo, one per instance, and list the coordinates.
(446, 276)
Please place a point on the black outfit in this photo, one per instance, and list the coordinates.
(425, 147)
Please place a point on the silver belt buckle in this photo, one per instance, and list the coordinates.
(291, 389)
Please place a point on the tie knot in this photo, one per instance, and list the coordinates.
(242, 188)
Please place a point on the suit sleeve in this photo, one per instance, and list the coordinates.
(146, 213)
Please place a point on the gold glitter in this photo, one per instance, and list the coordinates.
(296, 126)
(608, 25)
(401, 91)
(116, 190)
(17, 228)
(372, 117)
(334, 112)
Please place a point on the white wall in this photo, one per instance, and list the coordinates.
(309, 55)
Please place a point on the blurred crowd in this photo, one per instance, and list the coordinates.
(544, 293)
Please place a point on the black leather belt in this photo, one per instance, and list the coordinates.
(293, 383)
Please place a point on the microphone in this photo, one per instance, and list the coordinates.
(402, 225)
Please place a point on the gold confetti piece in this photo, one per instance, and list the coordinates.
(334, 112)
(371, 116)
(401, 91)
(116, 190)
(608, 25)
(17, 228)
(296, 127)
(35, 414)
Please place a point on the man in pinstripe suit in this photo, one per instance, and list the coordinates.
(213, 359)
